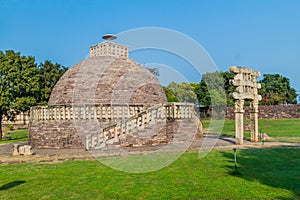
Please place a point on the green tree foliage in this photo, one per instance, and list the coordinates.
(203, 95)
(213, 87)
(184, 92)
(276, 90)
(18, 84)
(227, 76)
(23, 84)
(48, 75)
(170, 95)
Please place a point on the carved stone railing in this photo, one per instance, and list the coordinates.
(141, 120)
(122, 118)
(82, 112)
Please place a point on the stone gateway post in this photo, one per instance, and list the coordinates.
(245, 89)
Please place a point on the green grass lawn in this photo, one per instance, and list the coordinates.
(271, 173)
(16, 136)
(284, 130)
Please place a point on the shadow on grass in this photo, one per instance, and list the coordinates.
(228, 140)
(11, 185)
(276, 167)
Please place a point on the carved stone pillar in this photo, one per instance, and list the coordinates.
(245, 89)
(254, 120)
(239, 121)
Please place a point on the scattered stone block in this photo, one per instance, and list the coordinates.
(16, 150)
(27, 150)
(22, 150)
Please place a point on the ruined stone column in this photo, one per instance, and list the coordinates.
(239, 121)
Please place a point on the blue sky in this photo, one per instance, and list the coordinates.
(263, 35)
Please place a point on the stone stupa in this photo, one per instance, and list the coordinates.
(107, 99)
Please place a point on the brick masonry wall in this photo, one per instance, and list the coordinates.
(270, 112)
(70, 134)
(64, 135)
(54, 134)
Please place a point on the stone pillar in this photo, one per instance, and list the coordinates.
(254, 120)
(239, 121)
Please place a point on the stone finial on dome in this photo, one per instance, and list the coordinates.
(109, 37)
(109, 48)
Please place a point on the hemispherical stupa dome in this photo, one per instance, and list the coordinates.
(107, 80)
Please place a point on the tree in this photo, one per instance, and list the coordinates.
(212, 89)
(276, 90)
(227, 76)
(170, 95)
(48, 75)
(18, 84)
(215, 86)
(184, 92)
(202, 93)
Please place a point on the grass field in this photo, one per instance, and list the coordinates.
(283, 130)
(16, 136)
(271, 173)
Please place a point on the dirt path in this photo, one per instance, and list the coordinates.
(58, 155)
